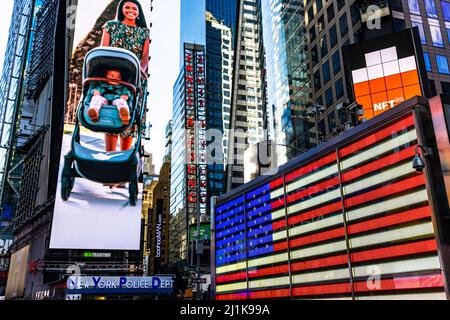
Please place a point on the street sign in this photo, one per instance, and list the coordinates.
(190, 268)
(199, 280)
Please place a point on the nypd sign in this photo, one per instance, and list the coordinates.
(160, 284)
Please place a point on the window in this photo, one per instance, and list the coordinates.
(436, 36)
(396, 5)
(323, 46)
(319, 5)
(343, 26)
(329, 97)
(330, 12)
(311, 14)
(399, 24)
(448, 35)
(414, 6)
(339, 88)
(336, 62)
(320, 24)
(446, 10)
(333, 37)
(331, 121)
(317, 85)
(319, 101)
(426, 57)
(314, 55)
(430, 7)
(445, 88)
(326, 72)
(312, 33)
(419, 25)
(354, 12)
(432, 88)
(340, 4)
(442, 64)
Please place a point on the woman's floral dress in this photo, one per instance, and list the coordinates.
(129, 38)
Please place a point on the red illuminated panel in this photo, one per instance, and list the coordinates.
(395, 251)
(376, 137)
(390, 220)
(403, 283)
(311, 167)
(232, 296)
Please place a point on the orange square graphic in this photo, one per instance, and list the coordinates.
(412, 91)
(409, 78)
(379, 102)
(365, 101)
(361, 89)
(393, 82)
(397, 95)
(377, 85)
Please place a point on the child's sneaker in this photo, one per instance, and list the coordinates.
(124, 113)
(93, 114)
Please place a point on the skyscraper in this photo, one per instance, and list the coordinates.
(287, 75)
(248, 112)
(206, 25)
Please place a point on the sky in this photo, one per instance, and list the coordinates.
(164, 63)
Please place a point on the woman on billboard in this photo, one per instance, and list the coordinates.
(129, 31)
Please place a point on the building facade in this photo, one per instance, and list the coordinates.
(231, 34)
(31, 114)
(248, 113)
(333, 25)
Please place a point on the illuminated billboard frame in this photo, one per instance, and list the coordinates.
(385, 71)
(98, 215)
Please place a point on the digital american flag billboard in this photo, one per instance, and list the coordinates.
(354, 222)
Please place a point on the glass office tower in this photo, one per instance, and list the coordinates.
(287, 75)
(208, 23)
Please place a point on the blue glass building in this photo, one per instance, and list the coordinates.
(210, 23)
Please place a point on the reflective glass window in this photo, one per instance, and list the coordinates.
(442, 64)
(436, 36)
(414, 6)
(426, 57)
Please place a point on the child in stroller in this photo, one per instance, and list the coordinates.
(111, 91)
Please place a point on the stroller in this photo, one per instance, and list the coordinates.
(100, 166)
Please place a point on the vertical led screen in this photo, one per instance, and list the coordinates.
(194, 60)
(384, 72)
(353, 222)
(98, 200)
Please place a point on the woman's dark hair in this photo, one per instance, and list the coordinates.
(140, 21)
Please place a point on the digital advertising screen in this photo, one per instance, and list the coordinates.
(384, 72)
(99, 193)
(17, 273)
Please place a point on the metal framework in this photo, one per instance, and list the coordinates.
(41, 63)
(24, 177)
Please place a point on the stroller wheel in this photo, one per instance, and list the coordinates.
(133, 193)
(67, 184)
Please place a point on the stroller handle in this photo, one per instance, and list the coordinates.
(87, 80)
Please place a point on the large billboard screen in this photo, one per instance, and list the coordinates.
(98, 203)
(17, 273)
(384, 72)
